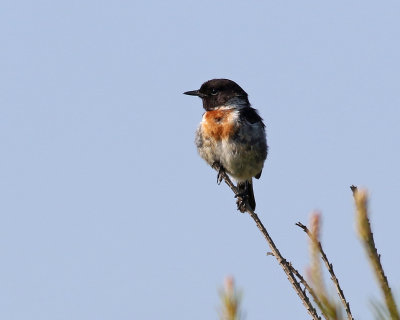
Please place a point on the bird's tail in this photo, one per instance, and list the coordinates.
(246, 189)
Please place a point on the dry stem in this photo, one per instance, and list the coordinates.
(367, 237)
(329, 266)
(309, 289)
(282, 262)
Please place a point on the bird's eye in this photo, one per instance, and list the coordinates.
(214, 92)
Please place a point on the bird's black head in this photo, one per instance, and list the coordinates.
(218, 92)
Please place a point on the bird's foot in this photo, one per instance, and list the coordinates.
(241, 203)
(221, 171)
(242, 199)
(241, 194)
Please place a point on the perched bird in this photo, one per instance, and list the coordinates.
(231, 135)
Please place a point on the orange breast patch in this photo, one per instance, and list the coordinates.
(218, 124)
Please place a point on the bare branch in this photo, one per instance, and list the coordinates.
(282, 261)
(309, 289)
(329, 266)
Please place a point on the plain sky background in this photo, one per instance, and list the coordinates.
(107, 211)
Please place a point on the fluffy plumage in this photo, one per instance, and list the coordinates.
(231, 133)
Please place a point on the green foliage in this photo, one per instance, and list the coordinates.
(230, 301)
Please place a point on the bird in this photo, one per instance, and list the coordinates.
(231, 136)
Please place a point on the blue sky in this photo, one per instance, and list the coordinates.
(108, 212)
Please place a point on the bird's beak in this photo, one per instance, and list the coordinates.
(195, 93)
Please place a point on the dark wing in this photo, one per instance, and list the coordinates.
(250, 115)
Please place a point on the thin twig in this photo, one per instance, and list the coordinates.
(309, 289)
(367, 237)
(329, 266)
(283, 263)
